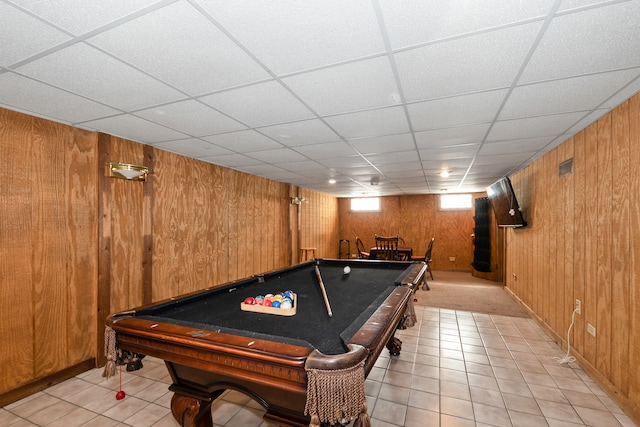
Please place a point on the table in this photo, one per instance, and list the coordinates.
(402, 252)
(209, 344)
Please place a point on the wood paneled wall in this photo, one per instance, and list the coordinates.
(76, 245)
(415, 218)
(319, 225)
(48, 248)
(583, 242)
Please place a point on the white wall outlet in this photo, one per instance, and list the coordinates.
(591, 329)
(578, 306)
(452, 259)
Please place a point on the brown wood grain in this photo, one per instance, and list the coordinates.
(604, 245)
(592, 252)
(634, 254)
(580, 207)
(16, 262)
(620, 246)
(82, 237)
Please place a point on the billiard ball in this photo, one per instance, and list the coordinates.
(347, 270)
(275, 304)
(286, 304)
(248, 300)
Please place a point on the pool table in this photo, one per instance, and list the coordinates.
(209, 344)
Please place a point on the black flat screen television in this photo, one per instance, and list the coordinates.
(505, 205)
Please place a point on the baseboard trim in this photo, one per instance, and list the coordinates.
(40, 384)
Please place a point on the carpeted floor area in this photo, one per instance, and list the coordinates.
(457, 290)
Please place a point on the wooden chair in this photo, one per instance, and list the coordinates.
(427, 257)
(361, 250)
(387, 248)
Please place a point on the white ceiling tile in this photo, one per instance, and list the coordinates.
(326, 150)
(384, 121)
(414, 165)
(587, 119)
(78, 17)
(262, 170)
(533, 127)
(192, 118)
(393, 157)
(354, 170)
(561, 96)
(290, 36)
(454, 136)
(193, 147)
(181, 47)
(439, 164)
(383, 144)
(624, 94)
(232, 160)
(351, 87)
(301, 133)
(450, 153)
(467, 109)
(22, 35)
(417, 21)
(506, 159)
(278, 155)
(466, 65)
(88, 72)
(133, 128)
(288, 72)
(243, 141)
(43, 100)
(408, 176)
(514, 146)
(576, 4)
(303, 166)
(260, 104)
(592, 41)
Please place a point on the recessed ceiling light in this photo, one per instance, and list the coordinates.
(444, 174)
(332, 181)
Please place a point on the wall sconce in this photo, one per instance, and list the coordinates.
(298, 200)
(129, 172)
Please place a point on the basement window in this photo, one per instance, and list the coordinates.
(455, 201)
(365, 204)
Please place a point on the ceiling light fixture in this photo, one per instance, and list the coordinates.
(445, 174)
(332, 181)
(129, 172)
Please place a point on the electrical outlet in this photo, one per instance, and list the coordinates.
(452, 259)
(591, 329)
(578, 306)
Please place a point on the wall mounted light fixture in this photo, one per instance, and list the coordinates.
(129, 172)
(298, 200)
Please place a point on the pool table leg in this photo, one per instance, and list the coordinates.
(394, 345)
(191, 412)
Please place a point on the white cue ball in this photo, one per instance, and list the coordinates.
(347, 270)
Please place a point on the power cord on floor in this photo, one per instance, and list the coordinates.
(567, 358)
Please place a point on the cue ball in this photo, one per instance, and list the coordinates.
(347, 270)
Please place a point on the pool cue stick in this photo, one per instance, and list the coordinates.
(324, 292)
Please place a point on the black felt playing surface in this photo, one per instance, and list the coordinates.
(353, 298)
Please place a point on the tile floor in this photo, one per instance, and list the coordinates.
(456, 369)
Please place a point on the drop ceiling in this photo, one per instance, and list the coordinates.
(379, 95)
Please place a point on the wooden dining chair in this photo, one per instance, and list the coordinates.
(362, 253)
(387, 248)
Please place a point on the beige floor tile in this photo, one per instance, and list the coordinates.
(456, 407)
(456, 369)
(389, 412)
